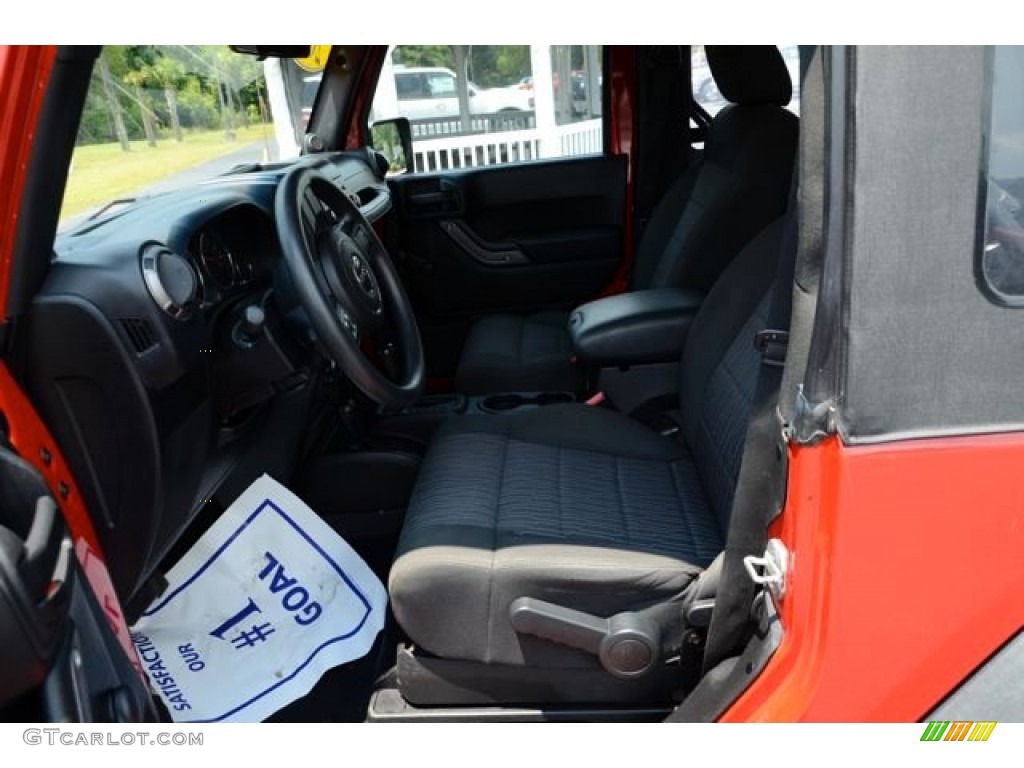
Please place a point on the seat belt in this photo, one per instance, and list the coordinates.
(760, 487)
(717, 609)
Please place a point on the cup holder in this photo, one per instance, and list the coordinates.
(511, 401)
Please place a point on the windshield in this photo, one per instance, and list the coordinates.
(158, 117)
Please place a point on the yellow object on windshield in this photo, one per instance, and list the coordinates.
(317, 59)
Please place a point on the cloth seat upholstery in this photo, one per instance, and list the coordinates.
(582, 506)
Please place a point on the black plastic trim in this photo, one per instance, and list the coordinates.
(388, 706)
(724, 683)
(50, 156)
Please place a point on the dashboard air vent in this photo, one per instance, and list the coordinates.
(139, 333)
(171, 280)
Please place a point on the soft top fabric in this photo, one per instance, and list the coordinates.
(750, 74)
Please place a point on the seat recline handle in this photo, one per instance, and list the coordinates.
(628, 644)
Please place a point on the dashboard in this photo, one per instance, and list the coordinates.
(165, 349)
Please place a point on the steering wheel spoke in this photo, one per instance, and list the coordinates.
(349, 287)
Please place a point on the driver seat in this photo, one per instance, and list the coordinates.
(580, 507)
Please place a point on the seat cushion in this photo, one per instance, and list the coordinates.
(579, 506)
(518, 353)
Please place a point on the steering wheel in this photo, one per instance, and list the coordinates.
(347, 284)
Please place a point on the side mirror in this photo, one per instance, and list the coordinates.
(393, 139)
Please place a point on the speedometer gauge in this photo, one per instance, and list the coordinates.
(217, 260)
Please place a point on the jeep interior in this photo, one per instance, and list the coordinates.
(525, 408)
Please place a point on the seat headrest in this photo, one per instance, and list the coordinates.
(750, 74)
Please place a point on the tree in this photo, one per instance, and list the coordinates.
(146, 92)
(197, 105)
(225, 111)
(113, 103)
(512, 62)
(462, 85)
(141, 61)
(169, 74)
(498, 65)
(145, 110)
(229, 75)
(425, 56)
(236, 72)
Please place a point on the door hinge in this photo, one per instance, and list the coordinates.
(770, 569)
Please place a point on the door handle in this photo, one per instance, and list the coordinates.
(445, 199)
(489, 254)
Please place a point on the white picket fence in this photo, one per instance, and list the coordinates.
(580, 138)
(495, 122)
(574, 139)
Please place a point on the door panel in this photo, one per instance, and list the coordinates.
(510, 238)
(59, 659)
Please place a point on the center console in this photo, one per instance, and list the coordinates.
(634, 341)
(635, 328)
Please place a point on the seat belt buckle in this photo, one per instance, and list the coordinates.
(772, 344)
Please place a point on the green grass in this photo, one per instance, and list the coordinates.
(102, 172)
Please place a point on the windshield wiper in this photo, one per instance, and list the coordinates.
(80, 225)
(112, 204)
(243, 168)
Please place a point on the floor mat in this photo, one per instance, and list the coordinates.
(343, 694)
(265, 604)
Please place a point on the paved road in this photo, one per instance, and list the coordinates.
(253, 152)
(247, 153)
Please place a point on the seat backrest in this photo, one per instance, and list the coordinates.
(739, 186)
(720, 365)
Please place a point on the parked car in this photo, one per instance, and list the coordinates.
(427, 93)
(579, 89)
(430, 92)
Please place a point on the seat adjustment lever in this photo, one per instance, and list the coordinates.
(627, 644)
